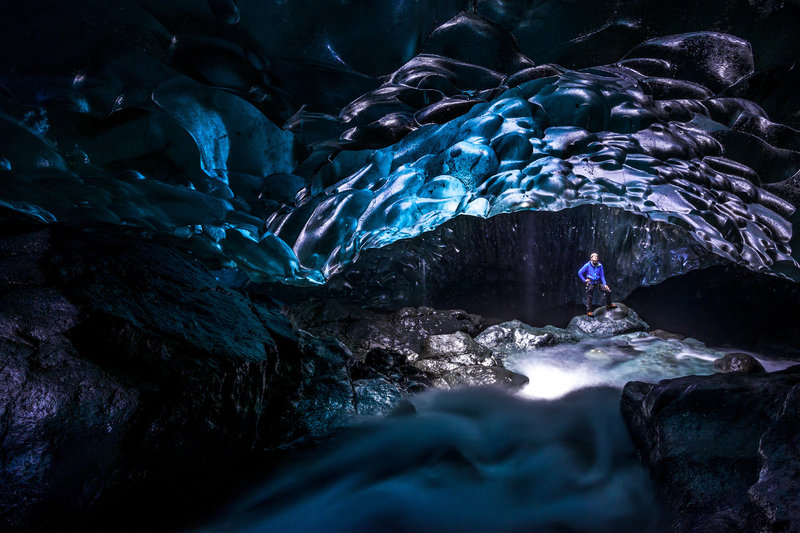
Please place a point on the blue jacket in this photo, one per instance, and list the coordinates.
(594, 273)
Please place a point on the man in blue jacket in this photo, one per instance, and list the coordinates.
(593, 276)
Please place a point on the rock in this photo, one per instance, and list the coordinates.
(607, 323)
(457, 360)
(738, 362)
(375, 396)
(775, 493)
(515, 336)
(412, 349)
(480, 376)
(403, 331)
(117, 381)
(746, 481)
(436, 366)
(389, 367)
(666, 335)
(457, 347)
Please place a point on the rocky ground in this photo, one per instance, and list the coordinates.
(131, 377)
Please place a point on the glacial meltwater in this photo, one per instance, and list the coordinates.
(613, 361)
(554, 457)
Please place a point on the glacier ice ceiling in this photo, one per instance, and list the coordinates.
(283, 152)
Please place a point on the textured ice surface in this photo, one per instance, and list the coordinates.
(595, 136)
(197, 159)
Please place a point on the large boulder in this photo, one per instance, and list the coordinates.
(457, 360)
(738, 362)
(722, 449)
(383, 378)
(515, 336)
(608, 322)
(117, 378)
(480, 376)
(457, 347)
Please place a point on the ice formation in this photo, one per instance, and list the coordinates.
(653, 134)
(596, 136)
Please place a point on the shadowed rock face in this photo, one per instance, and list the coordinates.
(113, 379)
(726, 305)
(130, 377)
(722, 449)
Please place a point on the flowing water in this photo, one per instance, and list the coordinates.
(487, 460)
(613, 361)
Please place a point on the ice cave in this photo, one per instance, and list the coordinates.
(400, 265)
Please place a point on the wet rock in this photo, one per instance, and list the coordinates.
(480, 376)
(775, 493)
(374, 396)
(745, 482)
(403, 331)
(412, 349)
(515, 336)
(457, 360)
(666, 335)
(457, 347)
(384, 377)
(606, 323)
(437, 367)
(738, 362)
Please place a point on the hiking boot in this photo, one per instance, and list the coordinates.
(610, 307)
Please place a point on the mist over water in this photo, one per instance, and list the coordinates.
(465, 460)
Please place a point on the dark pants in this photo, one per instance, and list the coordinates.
(590, 294)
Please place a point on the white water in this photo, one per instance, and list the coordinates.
(557, 370)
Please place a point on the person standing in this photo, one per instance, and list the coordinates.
(592, 276)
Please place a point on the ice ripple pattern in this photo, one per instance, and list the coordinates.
(597, 136)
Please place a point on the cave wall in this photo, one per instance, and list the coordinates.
(520, 265)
